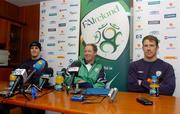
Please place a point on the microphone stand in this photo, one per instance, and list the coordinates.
(21, 89)
(23, 92)
(32, 85)
(69, 87)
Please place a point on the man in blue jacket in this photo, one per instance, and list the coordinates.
(141, 71)
(35, 50)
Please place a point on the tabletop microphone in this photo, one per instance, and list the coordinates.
(37, 67)
(48, 73)
(72, 71)
(21, 77)
(64, 72)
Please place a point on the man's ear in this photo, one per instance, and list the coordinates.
(142, 47)
(96, 54)
(157, 47)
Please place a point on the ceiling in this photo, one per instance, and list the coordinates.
(21, 3)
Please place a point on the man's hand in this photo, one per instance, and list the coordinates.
(81, 81)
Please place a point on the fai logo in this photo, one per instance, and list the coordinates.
(106, 37)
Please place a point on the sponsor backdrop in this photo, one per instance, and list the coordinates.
(59, 32)
(106, 23)
(159, 18)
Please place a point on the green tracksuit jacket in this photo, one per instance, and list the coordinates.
(95, 76)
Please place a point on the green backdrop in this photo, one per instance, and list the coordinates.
(119, 66)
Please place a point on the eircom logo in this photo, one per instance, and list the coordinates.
(106, 37)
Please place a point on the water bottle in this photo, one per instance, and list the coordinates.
(34, 92)
(12, 79)
(59, 81)
(154, 86)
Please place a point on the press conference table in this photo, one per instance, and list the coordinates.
(125, 103)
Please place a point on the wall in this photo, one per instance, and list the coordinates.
(30, 16)
(4, 32)
(27, 17)
(9, 11)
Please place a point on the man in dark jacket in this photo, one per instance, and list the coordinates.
(141, 71)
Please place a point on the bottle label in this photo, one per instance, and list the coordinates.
(58, 87)
(11, 83)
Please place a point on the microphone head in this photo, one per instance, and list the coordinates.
(22, 73)
(73, 69)
(45, 76)
(63, 70)
(24, 66)
(49, 71)
(76, 64)
(39, 65)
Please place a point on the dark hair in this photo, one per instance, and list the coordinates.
(93, 46)
(151, 38)
(35, 43)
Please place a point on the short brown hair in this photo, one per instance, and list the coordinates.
(151, 38)
(93, 46)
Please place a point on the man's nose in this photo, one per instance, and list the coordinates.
(148, 47)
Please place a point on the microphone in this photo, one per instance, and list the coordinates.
(48, 73)
(37, 67)
(21, 72)
(21, 75)
(112, 94)
(72, 71)
(64, 72)
(76, 64)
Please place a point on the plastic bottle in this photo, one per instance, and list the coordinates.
(154, 86)
(34, 92)
(59, 81)
(12, 79)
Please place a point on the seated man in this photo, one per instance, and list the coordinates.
(142, 70)
(35, 49)
(91, 73)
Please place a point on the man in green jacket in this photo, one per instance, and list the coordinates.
(91, 73)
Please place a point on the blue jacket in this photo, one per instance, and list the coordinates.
(142, 70)
(28, 65)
